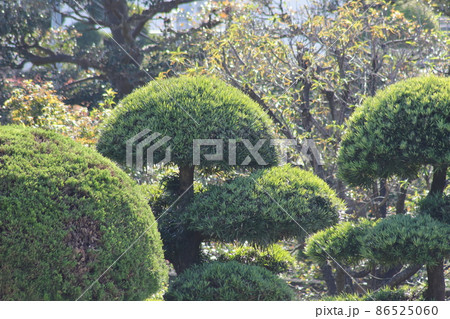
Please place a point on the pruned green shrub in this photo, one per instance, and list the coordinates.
(66, 214)
(184, 109)
(388, 294)
(273, 258)
(343, 242)
(402, 128)
(264, 207)
(230, 281)
(408, 240)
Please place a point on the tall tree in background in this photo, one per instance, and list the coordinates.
(126, 58)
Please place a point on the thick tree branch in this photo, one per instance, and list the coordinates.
(160, 7)
(91, 78)
(403, 275)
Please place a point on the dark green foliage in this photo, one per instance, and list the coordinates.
(66, 214)
(384, 294)
(260, 208)
(388, 294)
(273, 258)
(405, 126)
(343, 242)
(230, 281)
(407, 240)
(437, 206)
(188, 108)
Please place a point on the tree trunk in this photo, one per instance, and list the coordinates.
(439, 180)
(436, 282)
(400, 205)
(340, 279)
(328, 277)
(187, 250)
(186, 184)
(383, 207)
(187, 247)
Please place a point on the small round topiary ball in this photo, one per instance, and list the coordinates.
(229, 281)
(66, 214)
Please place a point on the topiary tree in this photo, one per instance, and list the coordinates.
(408, 240)
(341, 243)
(401, 129)
(66, 214)
(230, 281)
(185, 109)
(265, 207)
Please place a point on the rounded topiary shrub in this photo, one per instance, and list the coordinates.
(185, 109)
(342, 242)
(408, 240)
(233, 281)
(437, 206)
(273, 257)
(265, 207)
(401, 129)
(66, 214)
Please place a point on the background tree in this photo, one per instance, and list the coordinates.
(126, 56)
(401, 129)
(37, 105)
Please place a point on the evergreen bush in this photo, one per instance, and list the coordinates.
(265, 207)
(230, 281)
(344, 242)
(66, 214)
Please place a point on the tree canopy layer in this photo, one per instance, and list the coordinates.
(400, 129)
(408, 240)
(265, 207)
(185, 109)
(111, 37)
